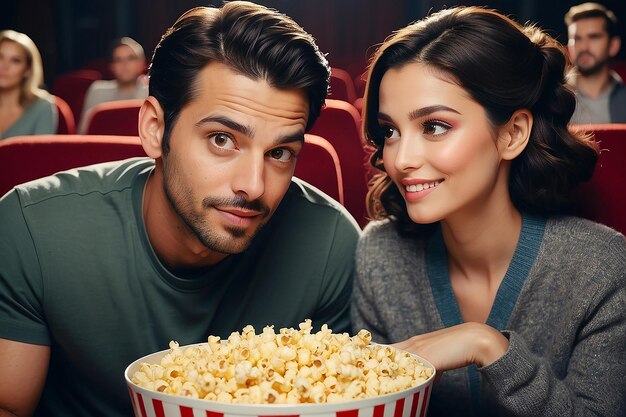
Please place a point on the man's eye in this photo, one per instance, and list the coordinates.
(281, 154)
(222, 141)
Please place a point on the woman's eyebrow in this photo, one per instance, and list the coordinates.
(424, 111)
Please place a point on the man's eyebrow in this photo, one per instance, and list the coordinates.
(247, 130)
(229, 123)
(296, 137)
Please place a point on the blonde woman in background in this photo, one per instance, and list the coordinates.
(25, 108)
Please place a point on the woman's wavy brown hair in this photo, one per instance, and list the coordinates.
(504, 66)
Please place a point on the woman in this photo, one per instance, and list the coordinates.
(25, 109)
(472, 263)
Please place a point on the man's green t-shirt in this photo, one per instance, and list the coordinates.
(78, 273)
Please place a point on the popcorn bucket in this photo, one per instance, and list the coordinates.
(412, 402)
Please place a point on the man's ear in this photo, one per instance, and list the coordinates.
(614, 45)
(151, 127)
(515, 133)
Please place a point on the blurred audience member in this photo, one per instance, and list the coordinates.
(128, 63)
(593, 41)
(25, 108)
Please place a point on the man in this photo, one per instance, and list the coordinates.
(593, 41)
(104, 264)
(127, 63)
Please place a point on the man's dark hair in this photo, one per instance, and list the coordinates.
(251, 39)
(589, 10)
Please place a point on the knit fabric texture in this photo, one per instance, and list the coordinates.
(563, 312)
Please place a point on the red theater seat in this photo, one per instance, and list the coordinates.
(358, 104)
(619, 66)
(102, 65)
(360, 81)
(603, 198)
(341, 86)
(67, 123)
(114, 118)
(339, 123)
(318, 164)
(25, 158)
(72, 87)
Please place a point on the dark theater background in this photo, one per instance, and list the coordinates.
(73, 34)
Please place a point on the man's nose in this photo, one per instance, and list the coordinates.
(249, 178)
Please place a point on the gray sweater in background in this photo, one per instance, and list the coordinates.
(562, 304)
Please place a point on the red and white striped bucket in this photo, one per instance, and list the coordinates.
(412, 402)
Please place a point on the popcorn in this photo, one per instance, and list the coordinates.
(291, 367)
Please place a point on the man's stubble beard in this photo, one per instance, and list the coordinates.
(178, 198)
(593, 69)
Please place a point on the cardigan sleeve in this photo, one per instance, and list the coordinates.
(523, 383)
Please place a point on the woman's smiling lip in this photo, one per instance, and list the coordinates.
(417, 188)
(416, 181)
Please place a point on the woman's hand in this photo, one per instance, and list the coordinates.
(458, 346)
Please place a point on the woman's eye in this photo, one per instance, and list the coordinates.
(389, 132)
(222, 141)
(435, 127)
(281, 154)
